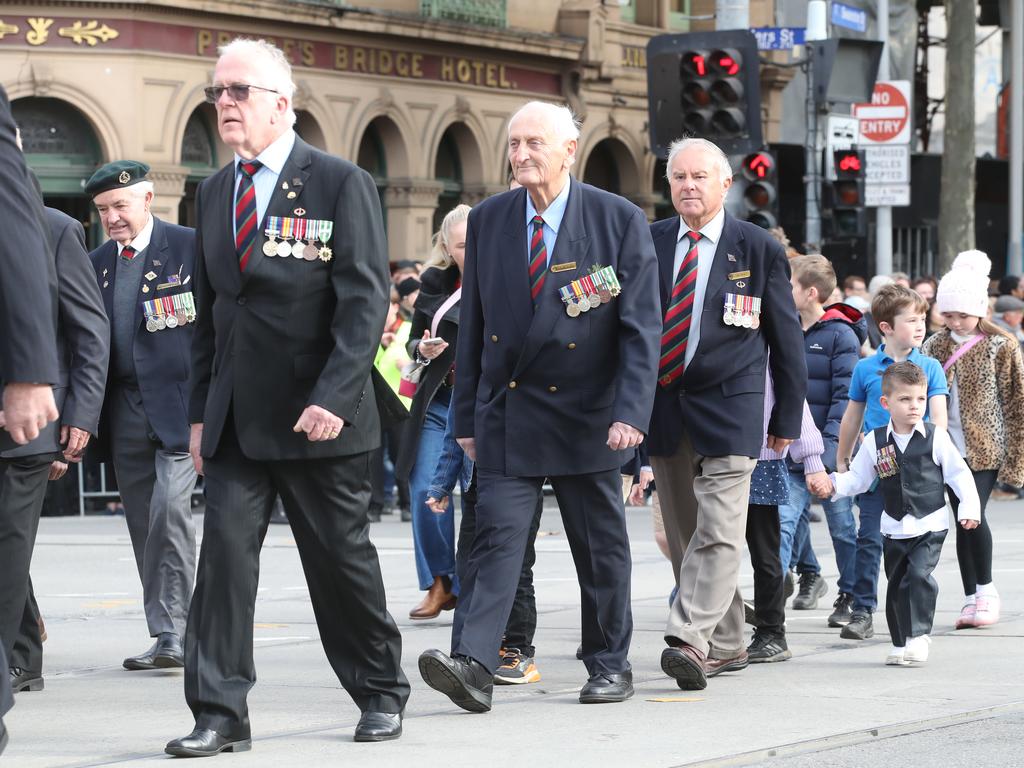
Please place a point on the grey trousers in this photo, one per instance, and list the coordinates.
(704, 507)
(156, 487)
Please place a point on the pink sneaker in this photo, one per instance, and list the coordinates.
(986, 610)
(966, 619)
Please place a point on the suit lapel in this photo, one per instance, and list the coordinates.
(106, 273)
(514, 259)
(665, 247)
(294, 173)
(156, 264)
(730, 244)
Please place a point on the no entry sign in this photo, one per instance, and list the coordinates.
(886, 120)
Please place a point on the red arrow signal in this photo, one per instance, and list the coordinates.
(759, 164)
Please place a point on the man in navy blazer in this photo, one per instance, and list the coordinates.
(726, 302)
(545, 388)
(145, 277)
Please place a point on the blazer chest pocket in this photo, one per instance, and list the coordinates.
(748, 383)
(309, 366)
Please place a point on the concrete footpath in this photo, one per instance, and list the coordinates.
(834, 702)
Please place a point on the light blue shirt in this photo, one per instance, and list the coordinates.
(866, 383)
(552, 220)
(706, 247)
(265, 179)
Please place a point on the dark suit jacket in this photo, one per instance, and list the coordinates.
(719, 400)
(539, 389)
(290, 333)
(83, 338)
(161, 358)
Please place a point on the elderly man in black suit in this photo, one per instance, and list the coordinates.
(726, 302)
(83, 348)
(28, 322)
(293, 291)
(556, 364)
(145, 273)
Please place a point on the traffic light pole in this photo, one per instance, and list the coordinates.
(812, 162)
(883, 214)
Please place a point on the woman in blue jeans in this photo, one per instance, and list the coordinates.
(434, 332)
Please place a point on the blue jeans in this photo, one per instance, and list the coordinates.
(795, 541)
(869, 551)
(433, 535)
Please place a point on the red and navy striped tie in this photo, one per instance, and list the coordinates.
(538, 258)
(245, 212)
(676, 329)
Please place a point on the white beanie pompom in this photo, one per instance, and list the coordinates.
(965, 287)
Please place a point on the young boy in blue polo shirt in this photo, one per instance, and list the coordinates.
(901, 315)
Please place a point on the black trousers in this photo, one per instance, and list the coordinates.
(912, 591)
(390, 443)
(22, 489)
(763, 533)
(326, 501)
(28, 645)
(522, 620)
(974, 547)
(595, 524)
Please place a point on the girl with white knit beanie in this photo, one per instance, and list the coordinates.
(985, 373)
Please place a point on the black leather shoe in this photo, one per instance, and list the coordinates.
(463, 680)
(607, 688)
(203, 742)
(25, 680)
(169, 653)
(378, 726)
(143, 660)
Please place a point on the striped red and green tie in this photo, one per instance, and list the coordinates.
(245, 212)
(538, 258)
(676, 328)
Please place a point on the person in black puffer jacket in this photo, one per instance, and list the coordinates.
(832, 340)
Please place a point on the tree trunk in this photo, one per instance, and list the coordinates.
(956, 200)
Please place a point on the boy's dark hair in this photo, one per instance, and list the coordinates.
(893, 299)
(814, 271)
(903, 374)
(1008, 284)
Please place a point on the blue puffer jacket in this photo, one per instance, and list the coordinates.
(832, 346)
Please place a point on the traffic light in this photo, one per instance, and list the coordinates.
(704, 85)
(849, 218)
(760, 194)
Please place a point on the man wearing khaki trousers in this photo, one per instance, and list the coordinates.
(726, 302)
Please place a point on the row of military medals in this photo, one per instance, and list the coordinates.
(886, 463)
(742, 311)
(590, 292)
(310, 238)
(169, 311)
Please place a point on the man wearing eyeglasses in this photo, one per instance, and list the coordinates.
(292, 291)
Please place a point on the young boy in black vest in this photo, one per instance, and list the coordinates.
(911, 461)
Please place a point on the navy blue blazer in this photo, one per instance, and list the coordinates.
(161, 358)
(536, 388)
(719, 399)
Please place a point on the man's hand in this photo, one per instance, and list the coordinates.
(778, 444)
(819, 484)
(622, 436)
(468, 446)
(968, 524)
(319, 424)
(74, 441)
(437, 506)
(195, 441)
(57, 470)
(27, 408)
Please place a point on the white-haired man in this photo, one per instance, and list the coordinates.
(726, 302)
(145, 272)
(292, 287)
(544, 390)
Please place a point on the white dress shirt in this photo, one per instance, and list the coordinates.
(265, 179)
(706, 247)
(141, 241)
(955, 473)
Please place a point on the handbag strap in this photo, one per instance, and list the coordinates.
(961, 351)
(450, 302)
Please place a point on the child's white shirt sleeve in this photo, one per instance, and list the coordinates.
(957, 475)
(861, 475)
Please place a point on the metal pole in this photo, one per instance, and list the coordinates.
(812, 159)
(1015, 258)
(732, 14)
(883, 214)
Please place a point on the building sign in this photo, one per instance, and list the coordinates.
(634, 56)
(146, 36)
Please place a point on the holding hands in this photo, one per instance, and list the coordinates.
(820, 485)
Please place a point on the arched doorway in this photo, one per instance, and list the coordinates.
(602, 169)
(372, 157)
(199, 151)
(63, 151)
(307, 127)
(447, 170)
(663, 207)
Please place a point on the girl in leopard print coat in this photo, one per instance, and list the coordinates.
(985, 373)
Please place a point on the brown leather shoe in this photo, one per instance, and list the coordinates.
(438, 598)
(686, 665)
(735, 664)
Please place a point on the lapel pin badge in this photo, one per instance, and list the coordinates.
(731, 257)
(291, 195)
(156, 263)
(299, 211)
(151, 275)
(284, 185)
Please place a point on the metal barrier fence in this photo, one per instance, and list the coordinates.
(913, 250)
(104, 491)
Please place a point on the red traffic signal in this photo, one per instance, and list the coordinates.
(849, 163)
(727, 61)
(759, 165)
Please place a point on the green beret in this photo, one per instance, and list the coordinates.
(116, 175)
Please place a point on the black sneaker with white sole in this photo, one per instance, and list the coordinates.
(767, 647)
(842, 610)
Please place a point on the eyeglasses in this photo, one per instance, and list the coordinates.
(236, 91)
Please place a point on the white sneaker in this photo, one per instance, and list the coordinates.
(896, 657)
(917, 649)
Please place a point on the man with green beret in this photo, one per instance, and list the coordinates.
(145, 276)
